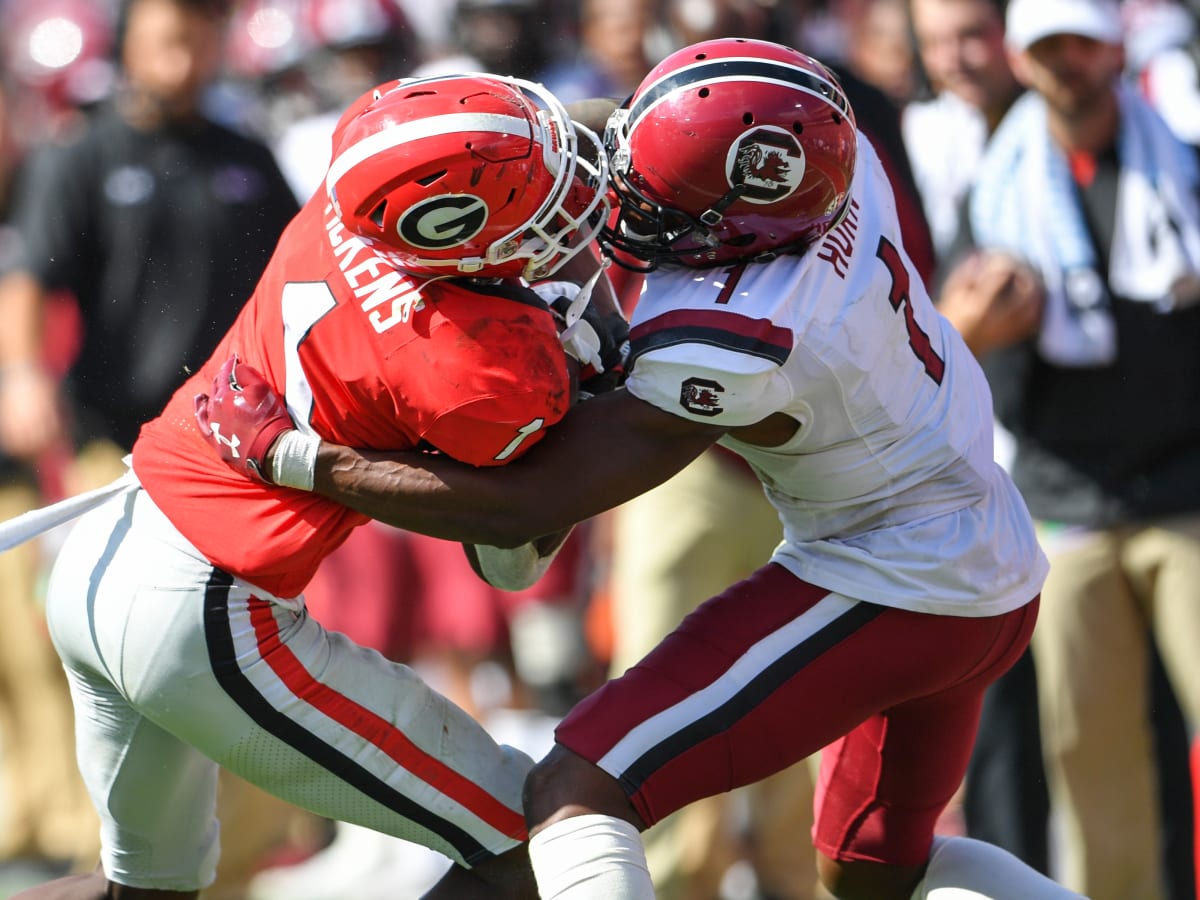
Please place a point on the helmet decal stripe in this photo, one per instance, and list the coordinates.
(744, 68)
(385, 140)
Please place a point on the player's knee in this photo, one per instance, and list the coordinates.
(564, 784)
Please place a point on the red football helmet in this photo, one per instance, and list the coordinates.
(729, 150)
(467, 175)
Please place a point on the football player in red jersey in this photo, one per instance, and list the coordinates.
(395, 313)
(781, 316)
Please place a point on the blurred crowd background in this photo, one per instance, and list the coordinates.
(517, 661)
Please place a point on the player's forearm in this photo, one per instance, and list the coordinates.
(21, 312)
(606, 451)
(428, 495)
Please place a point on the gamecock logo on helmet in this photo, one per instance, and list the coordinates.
(768, 162)
(443, 221)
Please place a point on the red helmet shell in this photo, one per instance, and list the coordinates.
(465, 174)
(753, 143)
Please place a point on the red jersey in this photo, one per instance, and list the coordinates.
(366, 356)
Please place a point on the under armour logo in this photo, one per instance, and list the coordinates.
(232, 442)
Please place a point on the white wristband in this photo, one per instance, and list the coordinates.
(295, 462)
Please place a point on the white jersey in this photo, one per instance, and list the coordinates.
(888, 492)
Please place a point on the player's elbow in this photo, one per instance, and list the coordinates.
(508, 533)
(513, 527)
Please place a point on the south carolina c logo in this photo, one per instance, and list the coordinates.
(768, 162)
(443, 221)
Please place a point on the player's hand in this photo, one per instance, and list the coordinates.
(31, 419)
(613, 331)
(598, 341)
(242, 418)
(993, 299)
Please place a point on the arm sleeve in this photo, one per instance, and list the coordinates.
(707, 394)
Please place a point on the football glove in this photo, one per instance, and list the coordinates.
(242, 417)
(598, 341)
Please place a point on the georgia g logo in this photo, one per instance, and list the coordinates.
(768, 162)
(446, 220)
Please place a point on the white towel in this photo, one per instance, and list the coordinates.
(1025, 202)
(27, 526)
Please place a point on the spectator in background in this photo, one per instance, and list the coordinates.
(689, 21)
(349, 46)
(993, 300)
(880, 47)
(507, 36)
(962, 50)
(1163, 55)
(1089, 186)
(265, 86)
(615, 52)
(58, 54)
(157, 222)
(48, 822)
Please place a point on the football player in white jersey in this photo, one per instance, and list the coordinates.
(782, 318)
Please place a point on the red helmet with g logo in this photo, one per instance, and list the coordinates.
(467, 175)
(730, 150)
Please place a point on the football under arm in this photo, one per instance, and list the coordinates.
(515, 568)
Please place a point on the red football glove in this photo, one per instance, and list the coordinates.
(242, 417)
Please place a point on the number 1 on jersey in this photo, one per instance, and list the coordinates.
(523, 432)
(935, 366)
(302, 304)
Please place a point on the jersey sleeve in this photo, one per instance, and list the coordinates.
(499, 381)
(491, 431)
(692, 386)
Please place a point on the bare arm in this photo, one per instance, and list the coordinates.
(30, 420)
(606, 451)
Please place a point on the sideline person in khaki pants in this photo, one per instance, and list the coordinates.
(1109, 594)
(47, 813)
